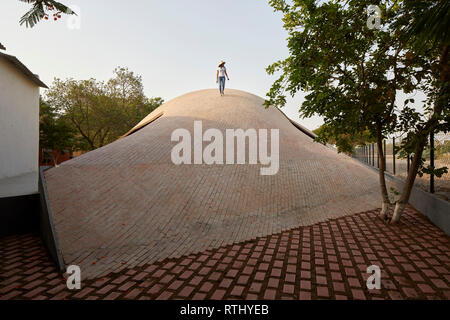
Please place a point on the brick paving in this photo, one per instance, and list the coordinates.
(327, 260)
(127, 204)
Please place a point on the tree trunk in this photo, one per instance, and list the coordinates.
(440, 104)
(404, 198)
(384, 194)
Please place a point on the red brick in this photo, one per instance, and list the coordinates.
(232, 273)
(175, 285)
(338, 286)
(186, 291)
(288, 288)
(186, 275)
(305, 274)
(321, 280)
(199, 296)
(270, 294)
(305, 295)
(290, 277)
(273, 282)
(243, 279)
(140, 276)
(106, 289)
(225, 283)
(358, 294)
(34, 292)
(354, 282)
(237, 291)
(255, 287)
(133, 294)
(260, 276)
(425, 288)
(206, 287)
(127, 286)
(154, 289)
(323, 292)
(410, 292)
(196, 280)
(305, 284)
(218, 294)
(204, 271)
(119, 279)
(165, 295)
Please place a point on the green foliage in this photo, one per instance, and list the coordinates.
(100, 112)
(440, 150)
(393, 194)
(431, 23)
(438, 172)
(40, 10)
(342, 65)
(343, 141)
(426, 33)
(55, 132)
(352, 74)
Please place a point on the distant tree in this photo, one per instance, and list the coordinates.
(344, 142)
(41, 9)
(55, 133)
(101, 112)
(126, 93)
(85, 106)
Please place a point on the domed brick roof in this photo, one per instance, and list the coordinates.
(128, 204)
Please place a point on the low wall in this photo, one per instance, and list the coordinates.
(47, 227)
(435, 208)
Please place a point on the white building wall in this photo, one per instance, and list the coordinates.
(19, 132)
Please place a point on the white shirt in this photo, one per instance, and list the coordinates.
(222, 71)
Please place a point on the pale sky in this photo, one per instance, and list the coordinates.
(174, 45)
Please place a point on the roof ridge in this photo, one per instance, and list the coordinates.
(23, 69)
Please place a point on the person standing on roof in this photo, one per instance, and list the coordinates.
(220, 77)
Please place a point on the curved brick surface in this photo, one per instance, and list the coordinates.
(127, 204)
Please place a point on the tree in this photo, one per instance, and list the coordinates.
(352, 73)
(55, 133)
(101, 112)
(85, 106)
(427, 32)
(41, 9)
(343, 65)
(343, 141)
(126, 92)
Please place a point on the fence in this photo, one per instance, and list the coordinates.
(437, 154)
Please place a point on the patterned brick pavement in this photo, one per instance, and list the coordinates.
(327, 260)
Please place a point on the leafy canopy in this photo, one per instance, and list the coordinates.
(351, 73)
(100, 112)
(55, 132)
